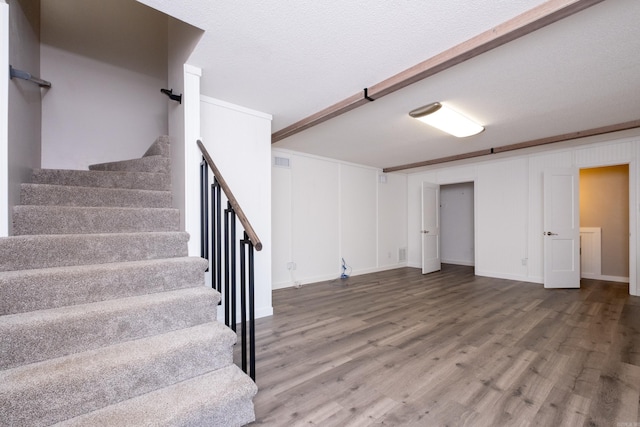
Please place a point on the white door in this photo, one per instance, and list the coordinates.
(561, 232)
(430, 227)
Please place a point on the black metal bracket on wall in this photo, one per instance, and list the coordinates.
(19, 74)
(170, 94)
(366, 95)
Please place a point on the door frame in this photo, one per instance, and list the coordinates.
(634, 287)
(473, 186)
(475, 209)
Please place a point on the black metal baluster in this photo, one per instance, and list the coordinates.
(212, 260)
(243, 303)
(234, 317)
(227, 266)
(216, 236)
(204, 210)
(219, 239)
(252, 314)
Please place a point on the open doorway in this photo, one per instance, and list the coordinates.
(604, 223)
(457, 234)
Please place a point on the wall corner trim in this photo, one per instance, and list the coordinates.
(4, 118)
(190, 69)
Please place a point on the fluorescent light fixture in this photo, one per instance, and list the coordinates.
(447, 120)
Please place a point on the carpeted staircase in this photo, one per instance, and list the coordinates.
(104, 319)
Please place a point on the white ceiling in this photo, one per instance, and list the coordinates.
(293, 58)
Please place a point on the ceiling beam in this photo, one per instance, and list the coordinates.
(523, 24)
(520, 145)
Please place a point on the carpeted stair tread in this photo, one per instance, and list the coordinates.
(160, 147)
(44, 288)
(156, 164)
(103, 179)
(64, 195)
(47, 334)
(34, 219)
(218, 399)
(54, 390)
(43, 251)
(104, 318)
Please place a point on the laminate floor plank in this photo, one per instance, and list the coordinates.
(398, 348)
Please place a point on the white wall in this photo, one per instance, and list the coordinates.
(281, 226)
(183, 124)
(457, 235)
(4, 119)
(501, 215)
(239, 142)
(107, 61)
(509, 216)
(392, 220)
(358, 217)
(315, 225)
(24, 115)
(325, 210)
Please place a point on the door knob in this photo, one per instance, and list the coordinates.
(425, 231)
(549, 233)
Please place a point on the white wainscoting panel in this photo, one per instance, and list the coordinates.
(590, 252)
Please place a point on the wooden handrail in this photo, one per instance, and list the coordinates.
(257, 244)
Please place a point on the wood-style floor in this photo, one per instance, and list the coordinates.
(449, 349)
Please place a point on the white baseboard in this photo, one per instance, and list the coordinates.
(264, 312)
(506, 276)
(324, 278)
(379, 269)
(458, 262)
(607, 278)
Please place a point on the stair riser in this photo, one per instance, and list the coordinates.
(37, 336)
(103, 314)
(155, 164)
(160, 147)
(27, 252)
(103, 179)
(217, 399)
(44, 393)
(59, 195)
(32, 220)
(22, 291)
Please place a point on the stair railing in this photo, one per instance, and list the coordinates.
(222, 259)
